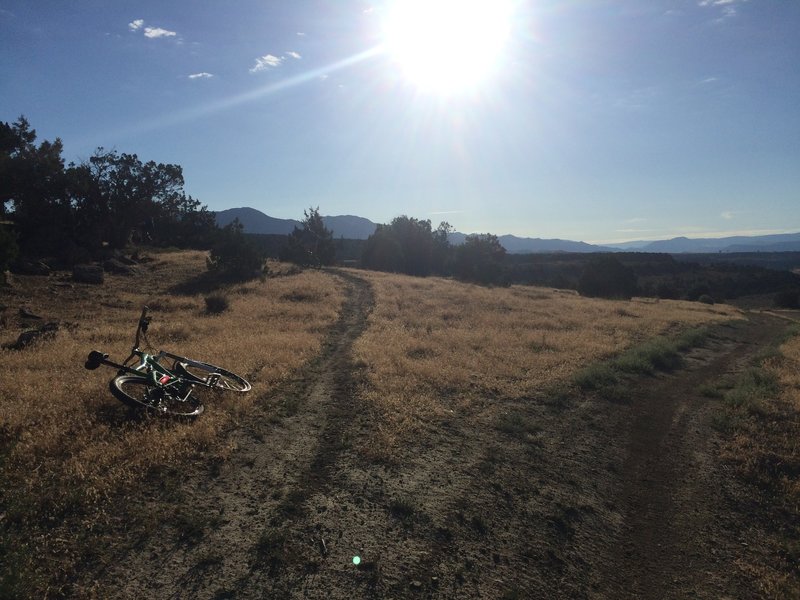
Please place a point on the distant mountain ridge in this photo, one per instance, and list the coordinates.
(781, 242)
(254, 221)
(358, 228)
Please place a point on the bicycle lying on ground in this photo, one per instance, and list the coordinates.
(143, 382)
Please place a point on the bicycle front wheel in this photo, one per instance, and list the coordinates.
(138, 392)
(215, 377)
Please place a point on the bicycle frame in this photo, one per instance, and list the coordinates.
(143, 382)
(149, 365)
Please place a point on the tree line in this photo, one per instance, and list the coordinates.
(405, 245)
(72, 213)
(78, 212)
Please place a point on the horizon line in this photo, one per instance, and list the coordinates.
(664, 237)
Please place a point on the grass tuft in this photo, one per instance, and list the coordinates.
(595, 377)
(751, 390)
(402, 508)
(516, 425)
(658, 354)
(216, 304)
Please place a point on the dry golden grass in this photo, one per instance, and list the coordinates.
(434, 346)
(66, 444)
(764, 422)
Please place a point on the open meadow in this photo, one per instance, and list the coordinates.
(404, 437)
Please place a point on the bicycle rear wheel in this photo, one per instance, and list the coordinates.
(138, 392)
(200, 372)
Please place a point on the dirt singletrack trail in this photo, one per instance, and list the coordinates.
(249, 502)
(681, 536)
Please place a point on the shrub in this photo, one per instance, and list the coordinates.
(666, 290)
(607, 277)
(698, 290)
(216, 304)
(787, 299)
(706, 299)
(233, 256)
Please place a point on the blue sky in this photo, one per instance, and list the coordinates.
(595, 120)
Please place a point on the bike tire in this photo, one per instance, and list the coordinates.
(138, 392)
(199, 372)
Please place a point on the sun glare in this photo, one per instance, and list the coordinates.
(447, 46)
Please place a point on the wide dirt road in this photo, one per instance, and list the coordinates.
(569, 497)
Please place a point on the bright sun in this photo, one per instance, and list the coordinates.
(447, 46)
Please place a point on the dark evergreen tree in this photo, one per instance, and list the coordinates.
(408, 245)
(312, 243)
(8, 247)
(233, 256)
(383, 252)
(33, 189)
(480, 259)
(104, 203)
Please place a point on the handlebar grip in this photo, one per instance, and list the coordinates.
(95, 359)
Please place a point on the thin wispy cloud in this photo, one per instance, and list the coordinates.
(202, 75)
(728, 7)
(294, 55)
(150, 32)
(268, 61)
(158, 32)
(727, 215)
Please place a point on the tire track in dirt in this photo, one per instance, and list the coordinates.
(576, 497)
(241, 538)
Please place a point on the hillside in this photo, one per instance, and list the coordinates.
(404, 438)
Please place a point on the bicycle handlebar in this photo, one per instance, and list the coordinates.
(144, 321)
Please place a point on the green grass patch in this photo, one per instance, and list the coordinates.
(754, 387)
(711, 390)
(516, 425)
(595, 377)
(692, 338)
(657, 354)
